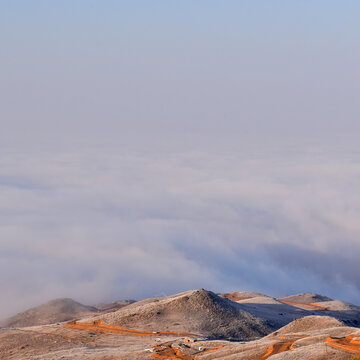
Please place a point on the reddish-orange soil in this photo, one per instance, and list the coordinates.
(98, 326)
(281, 346)
(348, 344)
(235, 297)
(170, 352)
(277, 349)
(212, 349)
(312, 306)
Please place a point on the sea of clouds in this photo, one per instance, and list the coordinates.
(100, 224)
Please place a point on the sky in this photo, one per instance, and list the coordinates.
(151, 147)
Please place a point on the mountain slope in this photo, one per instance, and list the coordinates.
(305, 298)
(201, 312)
(54, 311)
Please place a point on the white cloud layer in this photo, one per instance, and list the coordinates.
(98, 225)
